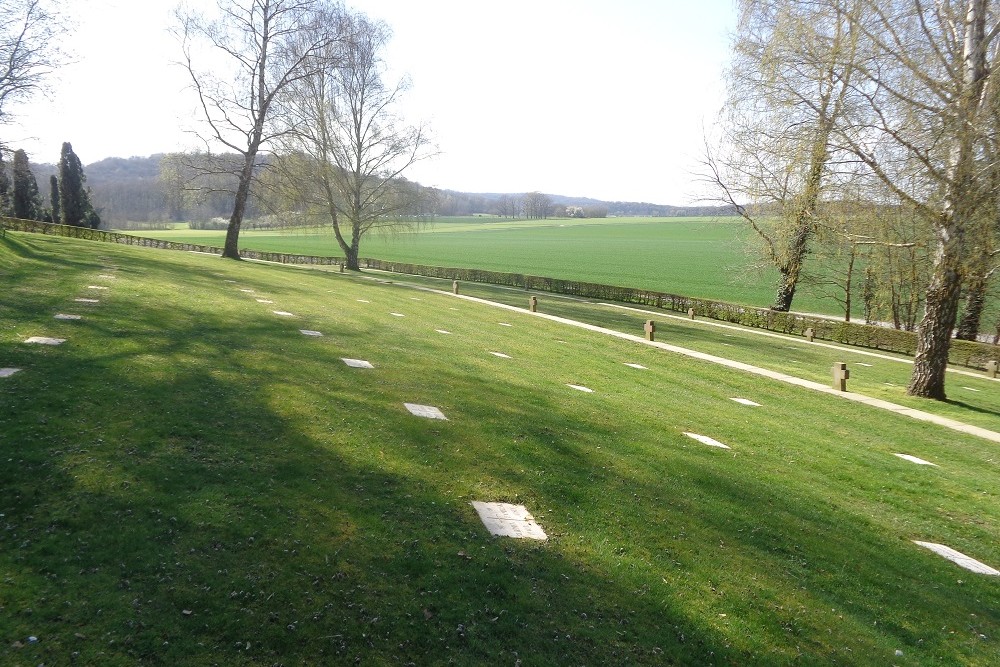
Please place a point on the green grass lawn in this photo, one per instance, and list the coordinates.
(189, 480)
(698, 257)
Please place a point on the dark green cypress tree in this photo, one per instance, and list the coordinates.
(73, 200)
(4, 187)
(54, 197)
(26, 203)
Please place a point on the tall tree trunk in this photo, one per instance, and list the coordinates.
(944, 290)
(975, 301)
(940, 313)
(231, 247)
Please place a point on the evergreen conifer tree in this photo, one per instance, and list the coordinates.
(26, 203)
(54, 197)
(4, 188)
(73, 199)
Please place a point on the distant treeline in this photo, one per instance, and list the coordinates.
(155, 190)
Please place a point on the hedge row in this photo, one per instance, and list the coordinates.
(964, 353)
(128, 239)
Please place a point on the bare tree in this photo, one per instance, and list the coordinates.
(922, 133)
(30, 34)
(536, 205)
(789, 84)
(240, 64)
(350, 146)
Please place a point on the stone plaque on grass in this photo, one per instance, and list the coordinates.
(106, 277)
(746, 401)
(505, 324)
(442, 331)
(64, 316)
(44, 340)
(580, 387)
(282, 313)
(970, 389)
(397, 314)
(248, 291)
(7, 372)
(264, 301)
(638, 366)
(427, 411)
(914, 459)
(705, 440)
(861, 363)
(83, 300)
(310, 332)
(96, 287)
(363, 301)
(357, 363)
(506, 520)
(501, 355)
(959, 558)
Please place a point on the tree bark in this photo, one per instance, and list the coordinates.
(231, 248)
(975, 301)
(940, 313)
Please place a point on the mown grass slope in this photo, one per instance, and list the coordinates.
(190, 480)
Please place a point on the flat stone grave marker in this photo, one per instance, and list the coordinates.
(504, 324)
(705, 440)
(83, 300)
(746, 401)
(283, 313)
(580, 387)
(959, 558)
(96, 287)
(427, 411)
(728, 344)
(639, 366)
(358, 363)
(397, 314)
(363, 301)
(264, 301)
(914, 459)
(248, 291)
(501, 355)
(64, 316)
(861, 363)
(442, 331)
(44, 340)
(7, 372)
(970, 389)
(414, 298)
(453, 309)
(506, 520)
(105, 276)
(310, 332)
(229, 281)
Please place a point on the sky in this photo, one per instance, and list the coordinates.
(589, 98)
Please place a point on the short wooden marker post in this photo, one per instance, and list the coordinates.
(533, 304)
(809, 334)
(650, 329)
(991, 368)
(691, 313)
(454, 287)
(841, 375)
(341, 267)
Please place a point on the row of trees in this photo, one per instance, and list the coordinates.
(867, 132)
(69, 199)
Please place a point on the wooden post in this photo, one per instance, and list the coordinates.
(991, 368)
(809, 334)
(650, 329)
(454, 286)
(691, 313)
(341, 267)
(533, 304)
(840, 376)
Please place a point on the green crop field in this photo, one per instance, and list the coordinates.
(699, 257)
(189, 480)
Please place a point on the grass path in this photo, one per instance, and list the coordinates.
(191, 480)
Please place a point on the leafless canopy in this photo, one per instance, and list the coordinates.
(30, 50)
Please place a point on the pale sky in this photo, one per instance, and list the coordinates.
(599, 98)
